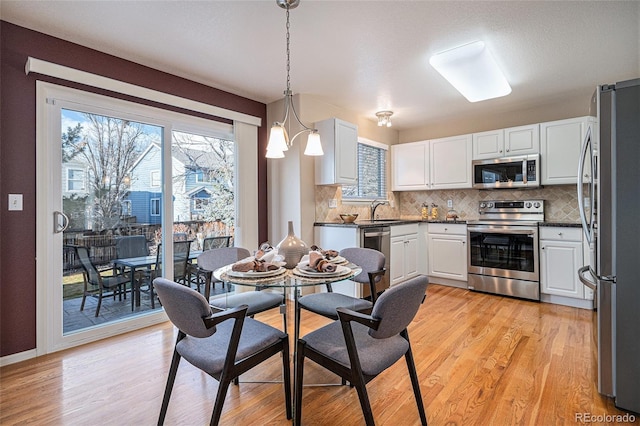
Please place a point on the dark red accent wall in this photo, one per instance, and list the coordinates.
(18, 157)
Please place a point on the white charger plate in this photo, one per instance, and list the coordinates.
(340, 270)
(254, 274)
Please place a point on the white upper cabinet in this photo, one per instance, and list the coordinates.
(410, 166)
(511, 142)
(451, 162)
(560, 144)
(488, 145)
(339, 164)
(436, 164)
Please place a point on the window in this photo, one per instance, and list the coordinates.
(155, 206)
(155, 178)
(372, 172)
(200, 203)
(202, 176)
(75, 180)
(125, 208)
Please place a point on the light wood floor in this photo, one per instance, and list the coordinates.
(481, 359)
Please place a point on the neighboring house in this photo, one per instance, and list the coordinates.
(192, 184)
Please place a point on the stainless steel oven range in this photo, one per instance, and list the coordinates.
(503, 248)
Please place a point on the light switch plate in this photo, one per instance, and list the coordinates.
(333, 203)
(15, 202)
(450, 204)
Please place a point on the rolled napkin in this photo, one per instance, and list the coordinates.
(328, 254)
(254, 265)
(243, 266)
(319, 263)
(325, 266)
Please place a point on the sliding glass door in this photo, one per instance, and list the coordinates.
(121, 184)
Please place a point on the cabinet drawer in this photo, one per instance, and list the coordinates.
(408, 229)
(447, 228)
(560, 233)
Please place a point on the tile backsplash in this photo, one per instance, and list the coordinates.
(561, 202)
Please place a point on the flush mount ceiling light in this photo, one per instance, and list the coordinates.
(472, 71)
(384, 118)
(279, 138)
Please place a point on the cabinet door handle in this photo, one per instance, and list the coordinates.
(541, 248)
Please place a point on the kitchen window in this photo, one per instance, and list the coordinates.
(372, 172)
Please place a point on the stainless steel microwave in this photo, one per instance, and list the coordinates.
(513, 172)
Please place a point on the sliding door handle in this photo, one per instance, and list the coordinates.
(57, 226)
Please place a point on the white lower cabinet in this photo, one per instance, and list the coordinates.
(403, 262)
(447, 249)
(561, 255)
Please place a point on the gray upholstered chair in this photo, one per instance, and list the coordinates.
(359, 347)
(257, 301)
(325, 304)
(222, 344)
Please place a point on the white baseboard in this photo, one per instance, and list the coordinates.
(21, 356)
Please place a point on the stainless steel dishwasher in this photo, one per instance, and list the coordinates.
(377, 238)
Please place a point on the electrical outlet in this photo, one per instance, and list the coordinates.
(450, 204)
(333, 203)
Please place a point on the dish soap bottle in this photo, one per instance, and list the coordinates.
(425, 211)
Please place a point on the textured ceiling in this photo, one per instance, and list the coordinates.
(363, 56)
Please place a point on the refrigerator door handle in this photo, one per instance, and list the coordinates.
(592, 285)
(583, 216)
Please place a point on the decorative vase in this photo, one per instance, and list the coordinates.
(292, 248)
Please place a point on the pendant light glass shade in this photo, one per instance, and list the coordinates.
(277, 139)
(314, 147)
(274, 153)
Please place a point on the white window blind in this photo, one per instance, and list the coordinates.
(372, 176)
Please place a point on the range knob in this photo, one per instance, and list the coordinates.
(490, 205)
(483, 205)
(536, 204)
(528, 205)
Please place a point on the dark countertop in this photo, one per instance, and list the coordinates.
(383, 222)
(561, 224)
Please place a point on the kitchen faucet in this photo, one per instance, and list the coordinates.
(374, 205)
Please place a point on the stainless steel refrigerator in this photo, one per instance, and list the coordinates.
(609, 198)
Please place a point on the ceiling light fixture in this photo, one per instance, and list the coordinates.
(384, 118)
(279, 138)
(472, 71)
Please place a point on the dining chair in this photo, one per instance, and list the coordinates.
(95, 283)
(257, 301)
(326, 303)
(359, 347)
(223, 344)
(216, 242)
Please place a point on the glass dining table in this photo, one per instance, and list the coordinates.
(289, 281)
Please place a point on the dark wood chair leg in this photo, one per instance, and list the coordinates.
(286, 373)
(299, 365)
(411, 366)
(175, 361)
(223, 386)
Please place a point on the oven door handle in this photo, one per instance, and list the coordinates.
(503, 230)
(376, 234)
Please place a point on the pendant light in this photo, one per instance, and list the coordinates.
(279, 140)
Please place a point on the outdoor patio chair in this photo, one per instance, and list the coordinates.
(359, 347)
(97, 285)
(216, 242)
(211, 341)
(131, 246)
(180, 266)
